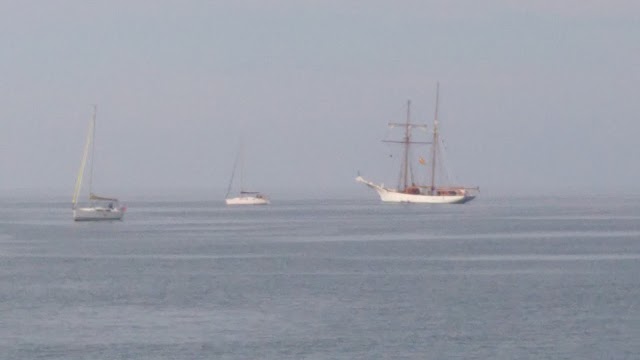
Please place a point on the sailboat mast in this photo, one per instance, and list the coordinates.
(407, 138)
(406, 142)
(83, 163)
(241, 168)
(435, 142)
(233, 173)
(93, 146)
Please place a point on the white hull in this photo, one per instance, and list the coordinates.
(394, 196)
(97, 214)
(247, 200)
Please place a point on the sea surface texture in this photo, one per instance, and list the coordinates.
(509, 278)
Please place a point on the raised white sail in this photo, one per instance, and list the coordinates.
(99, 207)
(244, 197)
(409, 191)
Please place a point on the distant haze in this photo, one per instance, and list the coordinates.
(536, 96)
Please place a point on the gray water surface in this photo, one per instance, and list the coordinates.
(520, 278)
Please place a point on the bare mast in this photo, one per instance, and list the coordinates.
(233, 173)
(435, 141)
(93, 147)
(406, 143)
(241, 167)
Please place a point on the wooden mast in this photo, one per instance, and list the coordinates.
(435, 141)
(406, 142)
(407, 138)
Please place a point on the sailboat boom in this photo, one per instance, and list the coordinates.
(407, 142)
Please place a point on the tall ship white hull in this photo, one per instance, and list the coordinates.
(97, 214)
(247, 200)
(449, 196)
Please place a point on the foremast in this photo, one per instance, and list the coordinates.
(406, 142)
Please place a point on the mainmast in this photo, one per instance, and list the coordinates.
(233, 173)
(241, 167)
(93, 146)
(406, 141)
(85, 155)
(435, 141)
(239, 161)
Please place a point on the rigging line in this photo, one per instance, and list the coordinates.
(411, 174)
(233, 172)
(444, 160)
(442, 168)
(400, 178)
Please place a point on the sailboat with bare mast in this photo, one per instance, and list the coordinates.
(416, 193)
(245, 197)
(100, 207)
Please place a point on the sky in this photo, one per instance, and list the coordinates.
(536, 97)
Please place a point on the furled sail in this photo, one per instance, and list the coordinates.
(85, 156)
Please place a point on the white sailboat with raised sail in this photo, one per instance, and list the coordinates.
(409, 191)
(245, 197)
(99, 207)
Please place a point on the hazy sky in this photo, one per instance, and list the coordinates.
(539, 95)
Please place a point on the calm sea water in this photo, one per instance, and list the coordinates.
(521, 278)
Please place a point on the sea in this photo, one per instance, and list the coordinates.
(497, 278)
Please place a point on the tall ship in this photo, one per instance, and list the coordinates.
(97, 207)
(427, 192)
